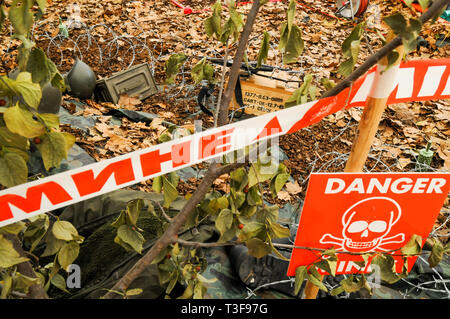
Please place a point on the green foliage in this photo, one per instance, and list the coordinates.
(233, 26)
(173, 65)
(23, 95)
(203, 71)
(213, 24)
(183, 266)
(407, 30)
(306, 92)
(350, 49)
(291, 43)
(8, 255)
(264, 50)
(128, 234)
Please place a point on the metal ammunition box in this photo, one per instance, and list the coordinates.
(137, 81)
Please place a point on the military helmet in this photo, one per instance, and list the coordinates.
(81, 80)
(51, 99)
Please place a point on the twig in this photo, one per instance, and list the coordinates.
(222, 83)
(163, 212)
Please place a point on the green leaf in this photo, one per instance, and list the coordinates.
(413, 247)
(234, 24)
(53, 149)
(387, 268)
(64, 230)
(203, 71)
(42, 5)
(291, 43)
(269, 213)
(314, 277)
(224, 220)
(352, 284)
(258, 248)
(67, 254)
(14, 229)
(37, 65)
(355, 35)
(59, 282)
(13, 169)
(300, 95)
(261, 172)
(173, 282)
(8, 255)
(239, 179)
(170, 192)
(278, 183)
(21, 16)
(133, 292)
(53, 245)
(31, 92)
(188, 292)
(392, 57)
(173, 66)
(279, 231)
(437, 253)
(22, 283)
(447, 248)
(36, 230)
(133, 210)
(218, 203)
(396, 22)
(327, 83)
(300, 275)
(290, 14)
(21, 121)
(329, 265)
(157, 184)
(10, 139)
(250, 230)
(254, 197)
(199, 291)
(131, 237)
(346, 67)
(50, 120)
(213, 23)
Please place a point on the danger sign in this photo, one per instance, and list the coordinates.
(356, 212)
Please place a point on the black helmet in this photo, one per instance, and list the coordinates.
(81, 80)
(51, 99)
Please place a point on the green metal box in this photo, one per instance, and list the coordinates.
(137, 82)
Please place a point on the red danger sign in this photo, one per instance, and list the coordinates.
(357, 212)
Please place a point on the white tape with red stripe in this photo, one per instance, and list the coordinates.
(428, 80)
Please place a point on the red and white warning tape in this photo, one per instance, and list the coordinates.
(415, 81)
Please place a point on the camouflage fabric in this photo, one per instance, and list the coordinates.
(103, 262)
(423, 282)
(79, 122)
(76, 157)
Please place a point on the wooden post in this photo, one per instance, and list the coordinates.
(367, 128)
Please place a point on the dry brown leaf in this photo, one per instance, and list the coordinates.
(293, 188)
(128, 102)
(283, 195)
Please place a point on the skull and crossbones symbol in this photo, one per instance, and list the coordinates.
(366, 226)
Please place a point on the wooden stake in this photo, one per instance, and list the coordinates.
(367, 128)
